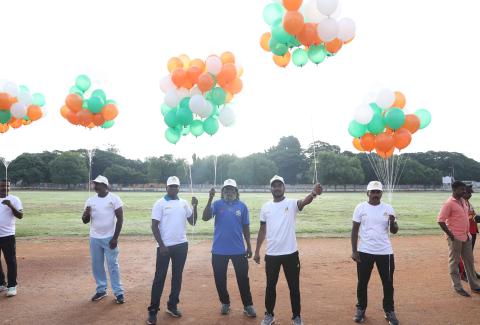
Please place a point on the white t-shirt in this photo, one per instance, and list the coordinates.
(374, 230)
(172, 215)
(280, 221)
(104, 220)
(7, 219)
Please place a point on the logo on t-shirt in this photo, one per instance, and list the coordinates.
(238, 213)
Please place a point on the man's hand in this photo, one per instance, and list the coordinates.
(249, 252)
(88, 211)
(211, 194)
(113, 243)
(163, 250)
(194, 201)
(391, 218)
(356, 257)
(317, 189)
(256, 258)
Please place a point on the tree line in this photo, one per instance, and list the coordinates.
(287, 158)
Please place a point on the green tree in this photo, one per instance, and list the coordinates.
(290, 160)
(117, 174)
(69, 168)
(339, 169)
(255, 169)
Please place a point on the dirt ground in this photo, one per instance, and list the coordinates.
(55, 284)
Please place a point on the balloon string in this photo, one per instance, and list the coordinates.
(215, 172)
(315, 173)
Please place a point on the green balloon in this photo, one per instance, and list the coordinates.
(172, 135)
(424, 116)
(83, 82)
(395, 118)
(299, 57)
(210, 125)
(110, 101)
(99, 93)
(185, 102)
(272, 13)
(376, 109)
(316, 53)
(165, 109)
(277, 48)
(5, 116)
(218, 96)
(26, 118)
(85, 104)
(171, 118)
(95, 104)
(293, 42)
(279, 33)
(184, 116)
(376, 125)
(186, 130)
(215, 112)
(38, 99)
(197, 128)
(76, 90)
(356, 129)
(108, 124)
(23, 89)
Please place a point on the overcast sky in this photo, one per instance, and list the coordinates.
(427, 49)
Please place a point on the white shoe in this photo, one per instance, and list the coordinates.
(12, 291)
(3, 288)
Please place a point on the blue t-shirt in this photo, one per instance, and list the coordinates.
(229, 220)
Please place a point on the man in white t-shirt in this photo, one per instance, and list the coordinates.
(372, 220)
(169, 226)
(277, 224)
(104, 211)
(10, 209)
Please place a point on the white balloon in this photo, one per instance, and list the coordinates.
(171, 98)
(213, 64)
(182, 93)
(310, 12)
(207, 109)
(195, 91)
(25, 98)
(11, 89)
(18, 110)
(327, 7)
(327, 29)
(227, 116)
(197, 104)
(363, 114)
(385, 98)
(167, 84)
(346, 29)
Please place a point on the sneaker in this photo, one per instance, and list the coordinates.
(392, 319)
(152, 318)
(250, 311)
(11, 291)
(297, 321)
(359, 315)
(120, 299)
(225, 309)
(268, 319)
(99, 296)
(3, 288)
(462, 292)
(174, 312)
(476, 290)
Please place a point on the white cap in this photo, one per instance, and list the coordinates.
(101, 180)
(173, 180)
(374, 186)
(277, 178)
(230, 182)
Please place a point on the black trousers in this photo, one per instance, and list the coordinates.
(8, 248)
(386, 268)
(291, 268)
(240, 264)
(178, 255)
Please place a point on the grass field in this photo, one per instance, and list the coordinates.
(58, 213)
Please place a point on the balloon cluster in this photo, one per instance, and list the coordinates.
(301, 33)
(95, 111)
(18, 106)
(197, 94)
(383, 125)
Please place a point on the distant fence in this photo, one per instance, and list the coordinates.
(204, 188)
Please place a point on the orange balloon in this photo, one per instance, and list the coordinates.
(64, 111)
(292, 4)
(227, 57)
(388, 130)
(227, 74)
(283, 60)
(334, 46)
(229, 97)
(16, 123)
(348, 41)
(174, 63)
(27, 122)
(357, 144)
(198, 63)
(402, 137)
(265, 41)
(5, 101)
(34, 112)
(4, 128)
(193, 73)
(293, 22)
(72, 117)
(85, 117)
(205, 82)
(74, 102)
(185, 60)
(386, 154)
(91, 125)
(308, 35)
(178, 77)
(368, 142)
(412, 123)
(384, 142)
(235, 86)
(109, 112)
(399, 100)
(98, 119)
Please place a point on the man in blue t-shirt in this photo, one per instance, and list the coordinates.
(232, 225)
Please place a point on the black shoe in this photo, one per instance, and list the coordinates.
(174, 312)
(392, 319)
(152, 318)
(477, 290)
(359, 315)
(478, 275)
(99, 296)
(462, 292)
(120, 299)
